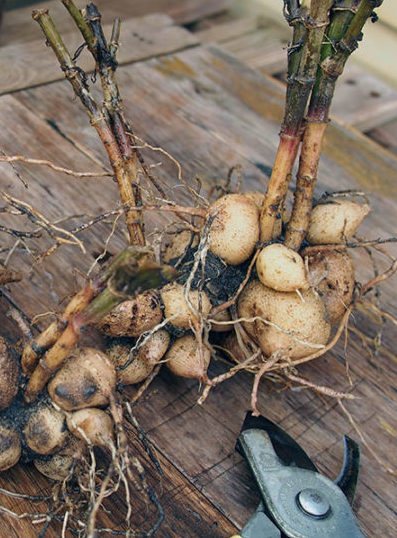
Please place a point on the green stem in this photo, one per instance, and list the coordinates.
(81, 23)
(303, 65)
(343, 35)
(333, 64)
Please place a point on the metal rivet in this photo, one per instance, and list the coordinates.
(313, 502)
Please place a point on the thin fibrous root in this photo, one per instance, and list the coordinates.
(49, 164)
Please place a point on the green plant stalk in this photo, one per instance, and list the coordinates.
(345, 31)
(342, 14)
(300, 83)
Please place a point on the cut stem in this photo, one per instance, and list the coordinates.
(302, 67)
(77, 79)
(344, 32)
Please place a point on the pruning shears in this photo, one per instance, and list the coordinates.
(297, 501)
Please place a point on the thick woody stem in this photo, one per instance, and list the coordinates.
(105, 57)
(77, 79)
(348, 19)
(35, 349)
(300, 84)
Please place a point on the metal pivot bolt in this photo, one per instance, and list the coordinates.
(312, 502)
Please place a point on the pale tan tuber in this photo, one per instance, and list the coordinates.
(234, 231)
(178, 310)
(58, 467)
(335, 222)
(92, 425)
(296, 324)
(186, 358)
(281, 268)
(257, 197)
(146, 358)
(10, 447)
(177, 245)
(224, 315)
(88, 379)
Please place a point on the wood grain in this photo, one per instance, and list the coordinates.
(16, 27)
(212, 112)
(142, 38)
(386, 135)
(362, 99)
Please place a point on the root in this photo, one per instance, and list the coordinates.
(271, 362)
(364, 441)
(145, 385)
(326, 391)
(49, 164)
(60, 235)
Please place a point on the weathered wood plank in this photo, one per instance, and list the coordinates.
(211, 112)
(362, 99)
(386, 135)
(142, 38)
(16, 27)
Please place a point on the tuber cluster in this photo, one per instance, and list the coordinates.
(240, 274)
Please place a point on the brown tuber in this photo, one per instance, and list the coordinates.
(296, 324)
(10, 447)
(45, 431)
(178, 310)
(9, 376)
(146, 358)
(87, 379)
(58, 467)
(335, 222)
(133, 317)
(234, 231)
(281, 268)
(331, 274)
(92, 425)
(186, 358)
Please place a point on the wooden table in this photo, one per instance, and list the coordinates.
(210, 112)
